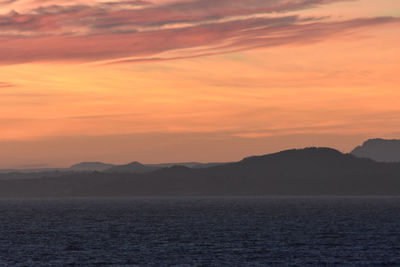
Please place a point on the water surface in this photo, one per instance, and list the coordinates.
(200, 231)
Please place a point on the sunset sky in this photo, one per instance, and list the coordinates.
(193, 80)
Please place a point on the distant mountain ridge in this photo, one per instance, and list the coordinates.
(137, 167)
(381, 150)
(91, 166)
(378, 149)
(309, 171)
(133, 167)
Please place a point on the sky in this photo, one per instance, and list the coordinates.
(193, 80)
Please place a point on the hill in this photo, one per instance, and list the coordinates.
(381, 150)
(310, 171)
(137, 167)
(133, 167)
(91, 166)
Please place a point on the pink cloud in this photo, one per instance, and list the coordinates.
(108, 31)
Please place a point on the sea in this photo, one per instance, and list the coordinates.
(209, 231)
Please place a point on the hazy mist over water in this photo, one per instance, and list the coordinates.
(201, 231)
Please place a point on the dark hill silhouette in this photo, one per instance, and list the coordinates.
(137, 167)
(187, 164)
(133, 167)
(310, 171)
(381, 150)
(91, 166)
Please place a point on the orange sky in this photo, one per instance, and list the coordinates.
(193, 80)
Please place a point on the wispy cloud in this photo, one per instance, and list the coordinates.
(129, 31)
(5, 85)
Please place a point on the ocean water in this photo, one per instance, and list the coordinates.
(200, 231)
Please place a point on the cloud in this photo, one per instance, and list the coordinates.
(5, 85)
(7, 2)
(109, 17)
(137, 31)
